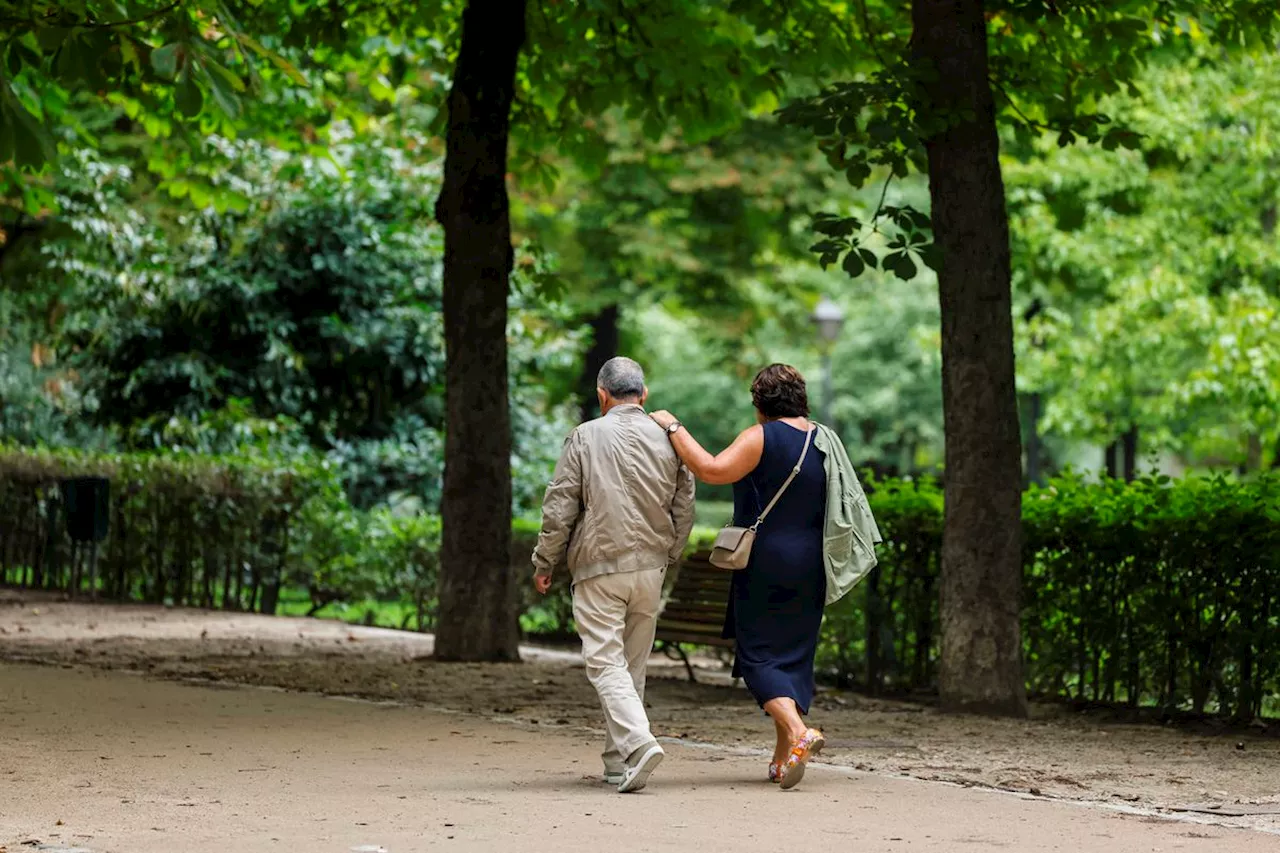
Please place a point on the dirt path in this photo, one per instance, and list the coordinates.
(1056, 754)
(117, 763)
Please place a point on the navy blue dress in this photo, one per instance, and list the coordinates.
(775, 603)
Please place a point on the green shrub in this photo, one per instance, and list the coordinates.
(886, 628)
(1158, 591)
(1152, 592)
(186, 529)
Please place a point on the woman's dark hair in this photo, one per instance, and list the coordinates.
(778, 392)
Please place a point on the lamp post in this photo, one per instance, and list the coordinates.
(829, 318)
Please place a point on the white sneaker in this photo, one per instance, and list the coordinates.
(636, 776)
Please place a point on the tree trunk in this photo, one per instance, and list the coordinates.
(1131, 454)
(1252, 453)
(1113, 459)
(477, 618)
(604, 346)
(981, 585)
(1035, 446)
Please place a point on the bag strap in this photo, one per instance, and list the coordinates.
(808, 439)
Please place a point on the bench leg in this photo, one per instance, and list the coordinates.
(668, 648)
(688, 667)
(684, 658)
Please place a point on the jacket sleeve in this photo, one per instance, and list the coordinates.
(561, 506)
(682, 513)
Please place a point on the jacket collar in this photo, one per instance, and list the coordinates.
(626, 409)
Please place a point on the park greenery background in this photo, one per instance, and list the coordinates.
(225, 286)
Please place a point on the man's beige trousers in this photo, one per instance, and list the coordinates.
(617, 615)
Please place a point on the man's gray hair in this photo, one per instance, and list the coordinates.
(622, 378)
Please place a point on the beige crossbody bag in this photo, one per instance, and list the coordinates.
(732, 548)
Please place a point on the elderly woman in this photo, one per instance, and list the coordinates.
(814, 544)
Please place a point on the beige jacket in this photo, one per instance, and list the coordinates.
(620, 500)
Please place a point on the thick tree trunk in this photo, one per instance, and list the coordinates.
(605, 338)
(477, 618)
(981, 663)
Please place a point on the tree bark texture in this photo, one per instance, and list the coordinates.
(478, 615)
(981, 663)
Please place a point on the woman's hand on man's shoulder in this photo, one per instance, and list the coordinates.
(663, 418)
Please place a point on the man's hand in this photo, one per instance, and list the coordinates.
(542, 583)
(663, 418)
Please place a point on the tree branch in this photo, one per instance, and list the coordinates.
(996, 85)
(96, 25)
(884, 193)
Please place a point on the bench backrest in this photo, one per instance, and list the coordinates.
(695, 608)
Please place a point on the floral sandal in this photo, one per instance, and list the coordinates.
(804, 749)
(775, 772)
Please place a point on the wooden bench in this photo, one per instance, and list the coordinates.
(694, 610)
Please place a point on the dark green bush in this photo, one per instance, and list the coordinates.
(204, 531)
(1153, 592)
(886, 629)
(1157, 591)
(233, 532)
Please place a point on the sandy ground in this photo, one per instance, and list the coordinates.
(108, 762)
(1056, 755)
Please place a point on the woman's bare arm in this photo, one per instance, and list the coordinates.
(729, 466)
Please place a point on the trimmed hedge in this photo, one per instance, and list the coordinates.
(210, 532)
(232, 533)
(1155, 592)
(215, 532)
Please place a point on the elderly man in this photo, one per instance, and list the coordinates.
(619, 510)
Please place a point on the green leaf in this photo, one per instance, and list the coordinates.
(189, 98)
(834, 227)
(931, 255)
(858, 173)
(274, 58)
(825, 246)
(223, 93)
(901, 265)
(920, 220)
(129, 53)
(70, 67)
(200, 195)
(853, 264)
(165, 60)
(230, 77)
(30, 142)
(381, 90)
(50, 38)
